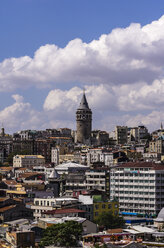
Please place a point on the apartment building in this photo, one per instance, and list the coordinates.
(139, 187)
(97, 203)
(138, 133)
(105, 156)
(28, 161)
(157, 145)
(98, 178)
(99, 155)
(50, 203)
(121, 133)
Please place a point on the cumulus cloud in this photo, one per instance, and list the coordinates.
(151, 120)
(20, 115)
(60, 106)
(122, 73)
(124, 56)
(140, 96)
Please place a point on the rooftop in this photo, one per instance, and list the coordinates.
(30, 156)
(64, 211)
(7, 208)
(150, 165)
(70, 165)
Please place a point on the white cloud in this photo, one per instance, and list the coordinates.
(59, 109)
(140, 96)
(124, 56)
(20, 115)
(151, 120)
(122, 73)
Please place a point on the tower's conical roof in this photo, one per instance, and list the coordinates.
(54, 175)
(83, 103)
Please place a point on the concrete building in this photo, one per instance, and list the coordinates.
(49, 203)
(138, 187)
(138, 133)
(55, 155)
(105, 156)
(121, 133)
(97, 203)
(98, 178)
(88, 226)
(28, 161)
(100, 138)
(20, 238)
(157, 146)
(84, 122)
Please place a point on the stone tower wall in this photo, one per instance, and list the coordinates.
(84, 125)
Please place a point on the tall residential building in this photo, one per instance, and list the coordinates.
(121, 134)
(83, 122)
(157, 146)
(138, 133)
(138, 187)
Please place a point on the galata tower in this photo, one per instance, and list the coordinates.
(83, 122)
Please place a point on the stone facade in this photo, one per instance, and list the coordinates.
(84, 122)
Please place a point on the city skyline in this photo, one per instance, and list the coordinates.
(50, 51)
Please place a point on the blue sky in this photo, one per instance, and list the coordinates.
(34, 98)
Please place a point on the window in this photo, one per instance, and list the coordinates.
(96, 213)
(97, 206)
(109, 206)
(103, 206)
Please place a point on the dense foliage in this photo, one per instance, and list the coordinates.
(109, 221)
(65, 234)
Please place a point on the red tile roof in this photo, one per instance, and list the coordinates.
(29, 174)
(64, 211)
(4, 199)
(7, 208)
(10, 182)
(6, 168)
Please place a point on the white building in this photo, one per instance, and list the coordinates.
(55, 155)
(97, 179)
(70, 167)
(49, 203)
(99, 155)
(139, 187)
(28, 161)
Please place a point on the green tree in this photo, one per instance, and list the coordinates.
(109, 221)
(65, 234)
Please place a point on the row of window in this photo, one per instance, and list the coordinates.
(105, 206)
(136, 187)
(134, 193)
(135, 181)
(136, 175)
(97, 213)
(137, 199)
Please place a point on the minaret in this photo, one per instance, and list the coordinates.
(83, 121)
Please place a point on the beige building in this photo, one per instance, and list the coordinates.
(156, 146)
(28, 161)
